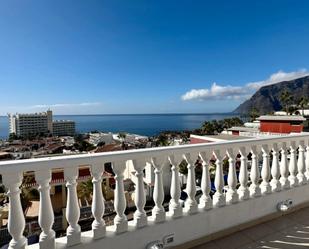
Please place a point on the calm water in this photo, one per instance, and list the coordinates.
(143, 124)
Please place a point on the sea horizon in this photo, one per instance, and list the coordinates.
(142, 124)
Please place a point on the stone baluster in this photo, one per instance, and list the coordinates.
(275, 170)
(97, 207)
(243, 191)
(292, 166)
(16, 219)
(190, 204)
(120, 221)
(205, 200)
(158, 212)
(284, 169)
(72, 209)
(46, 213)
(140, 217)
(219, 198)
(301, 164)
(175, 208)
(231, 195)
(307, 163)
(255, 190)
(265, 173)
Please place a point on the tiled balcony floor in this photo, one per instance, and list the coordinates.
(287, 232)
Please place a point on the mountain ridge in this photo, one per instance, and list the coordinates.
(267, 98)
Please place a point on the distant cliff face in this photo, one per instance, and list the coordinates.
(267, 98)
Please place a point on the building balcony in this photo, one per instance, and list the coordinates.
(266, 178)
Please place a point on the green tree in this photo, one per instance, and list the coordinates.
(302, 103)
(28, 193)
(84, 191)
(254, 114)
(13, 137)
(122, 136)
(208, 128)
(162, 140)
(286, 100)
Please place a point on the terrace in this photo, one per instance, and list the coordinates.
(278, 174)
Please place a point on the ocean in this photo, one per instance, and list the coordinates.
(142, 124)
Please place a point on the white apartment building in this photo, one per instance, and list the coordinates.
(63, 128)
(96, 138)
(28, 124)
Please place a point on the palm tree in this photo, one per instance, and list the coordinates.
(254, 113)
(286, 99)
(122, 136)
(84, 191)
(302, 103)
(208, 128)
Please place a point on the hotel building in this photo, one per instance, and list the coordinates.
(29, 124)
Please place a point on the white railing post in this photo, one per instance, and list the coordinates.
(275, 170)
(158, 212)
(191, 206)
(292, 166)
(120, 221)
(301, 164)
(255, 190)
(219, 198)
(265, 173)
(231, 195)
(175, 208)
(307, 163)
(16, 219)
(72, 209)
(97, 207)
(46, 213)
(284, 169)
(243, 191)
(205, 200)
(140, 217)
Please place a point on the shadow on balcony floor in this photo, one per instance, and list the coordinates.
(287, 232)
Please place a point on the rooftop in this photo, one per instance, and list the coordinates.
(281, 118)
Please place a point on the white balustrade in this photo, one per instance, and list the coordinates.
(158, 212)
(219, 198)
(307, 163)
(275, 170)
(72, 209)
(190, 203)
(255, 190)
(16, 221)
(292, 166)
(175, 208)
(284, 169)
(301, 164)
(265, 172)
(97, 207)
(231, 194)
(46, 213)
(243, 191)
(284, 175)
(205, 200)
(120, 221)
(140, 217)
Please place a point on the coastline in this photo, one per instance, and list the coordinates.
(142, 124)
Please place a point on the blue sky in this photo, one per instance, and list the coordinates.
(92, 57)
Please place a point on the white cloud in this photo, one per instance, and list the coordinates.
(65, 105)
(220, 92)
(61, 108)
(215, 92)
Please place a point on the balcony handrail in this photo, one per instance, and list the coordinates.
(122, 156)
